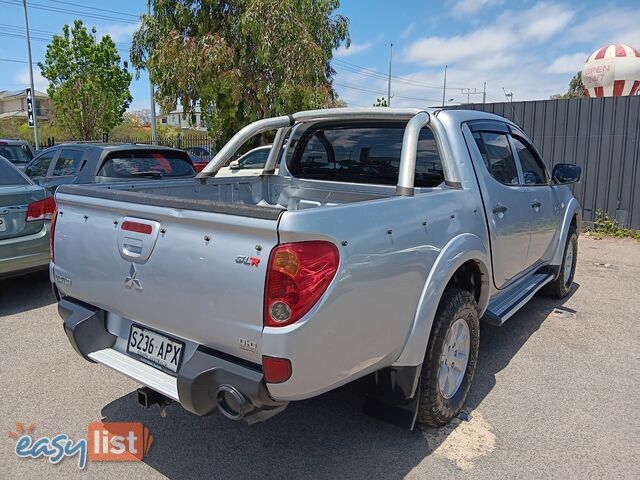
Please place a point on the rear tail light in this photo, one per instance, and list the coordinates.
(276, 370)
(297, 276)
(199, 166)
(41, 210)
(52, 231)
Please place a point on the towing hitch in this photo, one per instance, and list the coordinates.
(148, 397)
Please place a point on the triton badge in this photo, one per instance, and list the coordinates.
(250, 261)
(132, 281)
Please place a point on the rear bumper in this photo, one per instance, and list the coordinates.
(198, 382)
(23, 254)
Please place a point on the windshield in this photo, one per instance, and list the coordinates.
(9, 175)
(146, 165)
(16, 154)
(363, 153)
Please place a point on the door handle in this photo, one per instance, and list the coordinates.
(498, 209)
(536, 204)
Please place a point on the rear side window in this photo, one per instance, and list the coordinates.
(255, 159)
(16, 154)
(533, 169)
(10, 176)
(363, 154)
(40, 166)
(68, 163)
(146, 165)
(498, 157)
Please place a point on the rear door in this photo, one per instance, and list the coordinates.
(543, 200)
(39, 168)
(506, 201)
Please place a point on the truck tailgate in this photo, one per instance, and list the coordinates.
(195, 275)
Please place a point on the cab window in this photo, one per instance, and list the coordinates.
(68, 163)
(533, 169)
(497, 156)
(40, 165)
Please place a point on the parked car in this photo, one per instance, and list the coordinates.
(200, 156)
(384, 239)
(251, 163)
(82, 163)
(18, 152)
(25, 214)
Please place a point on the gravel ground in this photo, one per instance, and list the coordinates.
(555, 396)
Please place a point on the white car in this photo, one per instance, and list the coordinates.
(249, 164)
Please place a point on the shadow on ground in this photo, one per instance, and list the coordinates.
(24, 293)
(325, 437)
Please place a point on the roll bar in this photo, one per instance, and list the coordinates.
(417, 119)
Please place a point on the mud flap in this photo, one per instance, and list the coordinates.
(395, 396)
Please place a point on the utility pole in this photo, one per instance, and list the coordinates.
(474, 92)
(389, 80)
(444, 86)
(484, 93)
(33, 90)
(154, 134)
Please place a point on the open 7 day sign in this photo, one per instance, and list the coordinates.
(115, 441)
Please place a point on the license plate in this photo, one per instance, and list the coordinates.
(155, 347)
(3, 225)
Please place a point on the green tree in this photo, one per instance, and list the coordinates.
(88, 87)
(240, 60)
(381, 102)
(576, 89)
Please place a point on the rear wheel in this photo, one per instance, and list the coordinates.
(451, 358)
(561, 286)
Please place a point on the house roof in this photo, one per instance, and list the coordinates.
(4, 94)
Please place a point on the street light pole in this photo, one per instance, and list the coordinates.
(154, 134)
(444, 86)
(389, 80)
(33, 90)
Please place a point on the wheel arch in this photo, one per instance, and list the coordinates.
(464, 253)
(572, 217)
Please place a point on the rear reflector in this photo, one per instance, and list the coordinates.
(276, 370)
(41, 210)
(137, 227)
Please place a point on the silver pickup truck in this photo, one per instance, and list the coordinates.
(384, 239)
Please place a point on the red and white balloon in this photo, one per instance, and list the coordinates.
(612, 71)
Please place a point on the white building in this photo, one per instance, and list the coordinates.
(13, 104)
(178, 119)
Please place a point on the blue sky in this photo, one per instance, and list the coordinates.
(531, 48)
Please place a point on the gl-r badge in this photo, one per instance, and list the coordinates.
(249, 261)
(132, 281)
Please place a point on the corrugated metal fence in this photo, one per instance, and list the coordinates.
(602, 135)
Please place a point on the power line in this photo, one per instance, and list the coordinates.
(13, 60)
(40, 6)
(381, 93)
(20, 30)
(44, 39)
(96, 8)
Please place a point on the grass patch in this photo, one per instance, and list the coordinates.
(605, 226)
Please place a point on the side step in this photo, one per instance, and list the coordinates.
(504, 306)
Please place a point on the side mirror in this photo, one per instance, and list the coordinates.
(234, 165)
(566, 173)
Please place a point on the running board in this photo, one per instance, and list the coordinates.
(503, 307)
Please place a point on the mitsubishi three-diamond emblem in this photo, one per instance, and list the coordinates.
(131, 281)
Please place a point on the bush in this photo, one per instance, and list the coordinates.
(606, 226)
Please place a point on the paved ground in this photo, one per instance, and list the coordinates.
(556, 395)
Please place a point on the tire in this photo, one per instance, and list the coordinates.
(561, 286)
(439, 404)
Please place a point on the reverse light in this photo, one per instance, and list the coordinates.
(276, 370)
(41, 210)
(297, 276)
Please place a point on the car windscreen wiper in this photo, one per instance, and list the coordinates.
(147, 173)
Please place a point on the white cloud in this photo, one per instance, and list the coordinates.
(39, 82)
(606, 26)
(466, 7)
(543, 21)
(407, 31)
(119, 32)
(342, 51)
(481, 43)
(568, 63)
